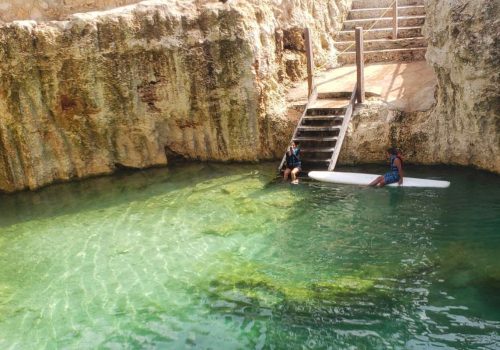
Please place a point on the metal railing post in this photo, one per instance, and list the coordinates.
(310, 61)
(360, 62)
(395, 19)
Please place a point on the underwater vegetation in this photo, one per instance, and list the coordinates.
(269, 287)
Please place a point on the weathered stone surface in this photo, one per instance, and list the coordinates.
(133, 85)
(368, 135)
(377, 125)
(464, 49)
(11, 10)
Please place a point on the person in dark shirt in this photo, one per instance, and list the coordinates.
(396, 172)
(293, 164)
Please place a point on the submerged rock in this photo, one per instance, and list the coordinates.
(243, 202)
(463, 266)
(249, 281)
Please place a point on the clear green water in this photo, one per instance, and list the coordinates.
(224, 257)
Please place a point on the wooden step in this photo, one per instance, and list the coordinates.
(315, 138)
(321, 122)
(315, 164)
(362, 4)
(381, 33)
(385, 22)
(318, 128)
(328, 122)
(392, 55)
(323, 117)
(339, 104)
(318, 150)
(324, 111)
(382, 44)
(377, 12)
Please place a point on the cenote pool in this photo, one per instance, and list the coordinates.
(225, 257)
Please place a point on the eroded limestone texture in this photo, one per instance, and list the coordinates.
(464, 49)
(11, 10)
(136, 85)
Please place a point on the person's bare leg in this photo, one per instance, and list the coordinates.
(295, 171)
(286, 173)
(376, 181)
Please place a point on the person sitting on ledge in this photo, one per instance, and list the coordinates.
(293, 164)
(396, 172)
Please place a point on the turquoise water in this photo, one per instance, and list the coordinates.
(225, 257)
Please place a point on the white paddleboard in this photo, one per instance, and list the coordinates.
(365, 179)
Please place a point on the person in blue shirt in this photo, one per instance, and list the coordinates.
(293, 164)
(396, 172)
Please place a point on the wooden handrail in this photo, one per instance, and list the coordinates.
(395, 19)
(310, 61)
(343, 129)
(360, 65)
(358, 93)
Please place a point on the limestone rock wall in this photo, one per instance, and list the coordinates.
(464, 49)
(139, 85)
(376, 126)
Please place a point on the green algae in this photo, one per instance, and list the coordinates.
(250, 280)
(465, 265)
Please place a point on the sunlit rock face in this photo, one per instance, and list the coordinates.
(11, 10)
(140, 85)
(464, 49)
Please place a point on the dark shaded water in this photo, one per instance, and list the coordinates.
(224, 256)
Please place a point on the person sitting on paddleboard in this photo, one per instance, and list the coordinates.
(396, 172)
(293, 164)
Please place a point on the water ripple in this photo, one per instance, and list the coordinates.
(220, 256)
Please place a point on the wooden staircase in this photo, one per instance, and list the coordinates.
(318, 134)
(376, 18)
(321, 130)
(390, 31)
